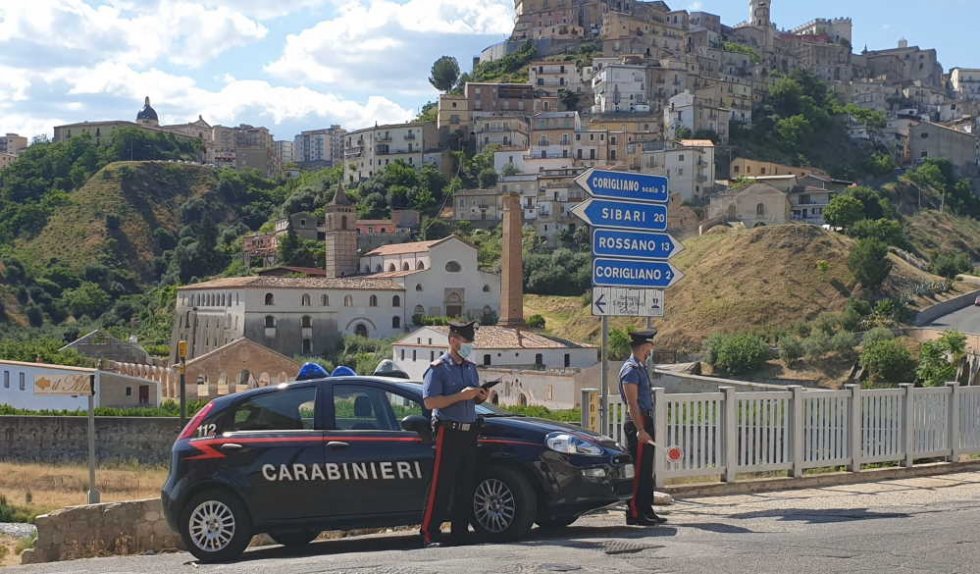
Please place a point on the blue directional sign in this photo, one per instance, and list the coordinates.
(630, 273)
(622, 215)
(634, 244)
(624, 185)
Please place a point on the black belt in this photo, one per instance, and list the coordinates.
(456, 426)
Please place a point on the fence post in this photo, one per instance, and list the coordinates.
(796, 430)
(909, 432)
(659, 437)
(854, 430)
(954, 421)
(587, 413)
(731, 433)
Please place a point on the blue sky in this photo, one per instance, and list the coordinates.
(292, 65)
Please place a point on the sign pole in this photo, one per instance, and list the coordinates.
(93, 491)
(604, 379)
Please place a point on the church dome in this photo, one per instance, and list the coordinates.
(147, 113)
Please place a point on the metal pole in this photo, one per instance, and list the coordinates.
(93, 492)
(604, 379)
(183, 391)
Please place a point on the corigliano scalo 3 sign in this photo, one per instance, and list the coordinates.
(624, 185)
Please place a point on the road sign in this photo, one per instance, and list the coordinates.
(625, 302)
(624, 185)
(634, 244)
(622, 215)
(630, 273)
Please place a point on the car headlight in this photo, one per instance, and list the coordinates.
(567, 443)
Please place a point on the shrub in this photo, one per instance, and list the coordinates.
(535, 322)
(869, 263)
(877, 335)
(816, 345)
(845, 344)
(737, 354)
(934, 370)
(790, 349)
(888, 362)
(950, 265)
(10, 513)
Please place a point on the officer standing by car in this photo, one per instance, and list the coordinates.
(451, 390)
(636, 391)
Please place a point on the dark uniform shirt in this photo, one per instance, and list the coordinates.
(445, 377)
(634, 373)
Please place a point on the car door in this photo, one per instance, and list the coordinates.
(383, 469)
(274, 449)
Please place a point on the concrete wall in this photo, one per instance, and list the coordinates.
(54, 440)
(115, 528)
(945, 308)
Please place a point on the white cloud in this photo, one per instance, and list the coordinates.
(379, 43)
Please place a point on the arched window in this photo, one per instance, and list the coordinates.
(361, 330)
(378, 268)
(396, 322)
(270, 322)
(348, 301)
(269, 299)
(418, 287)
(305, 300)
(731, 212)
(373, 301)
(343, 222)
(486, 288)
(391, 267)
(325, 300)
(453, 267)
(760, 210)
(367, 269)
(396, 301)
(406, 266)
(420, 266)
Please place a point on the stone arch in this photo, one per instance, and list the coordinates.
(391, 268)
(406, 266)
(352, 324)
(264, 379)
(420, 266)
(522, 400)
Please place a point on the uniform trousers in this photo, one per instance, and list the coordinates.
(450, 493)
(641, 504)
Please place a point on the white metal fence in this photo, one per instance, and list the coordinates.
(726, 433)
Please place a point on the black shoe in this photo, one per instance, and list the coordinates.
(641, 521)
(654, 517)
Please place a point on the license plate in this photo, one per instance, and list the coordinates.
(628, 471)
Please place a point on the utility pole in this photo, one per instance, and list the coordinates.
(182, 370)
(95, 381)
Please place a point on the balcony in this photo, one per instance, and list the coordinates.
(382, 138)
(410, 136)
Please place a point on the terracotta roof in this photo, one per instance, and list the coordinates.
(494, 337)
(310, 271)
(352, 283)
(375, 222)
(697, 143)
(402, 248)
(394, 274)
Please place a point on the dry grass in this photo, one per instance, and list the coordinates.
(43, 488)
(932, 232)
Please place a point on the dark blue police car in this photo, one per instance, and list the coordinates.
(356, 452)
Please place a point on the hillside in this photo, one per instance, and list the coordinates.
(114, 216)
(932, 232)
(740, 280)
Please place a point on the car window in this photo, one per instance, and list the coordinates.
(358, 407)
(287, 409)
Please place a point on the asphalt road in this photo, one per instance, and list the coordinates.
(920, 525)
(966, 320)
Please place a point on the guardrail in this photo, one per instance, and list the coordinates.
(727, 433)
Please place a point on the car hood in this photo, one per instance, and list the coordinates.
(530, 428)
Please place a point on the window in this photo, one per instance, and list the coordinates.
(396, 322)
(307, 323)
(418, 310)
(129, 391)
(406, 266)
(6, 379)
(325, 300)
(348, 301)
(361, 330)
(288, 409)
(568, 360)
(21, 382)
(305, 300)
(486, 288)
(270, 322)
(539, 360)
(343, 222)
(396, 301)
(307, 346)
(373, 301)
(358, 407)
(391, 267)
(760, 210)
(418, 287)
(486, 360)
(269, 299)
(420, 266)
(453, 267)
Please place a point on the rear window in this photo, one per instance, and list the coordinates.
(287, 409)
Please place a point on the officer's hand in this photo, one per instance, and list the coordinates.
(643, 436)
(471, 393)
(483, 395)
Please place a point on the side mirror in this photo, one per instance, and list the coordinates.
(418, 424)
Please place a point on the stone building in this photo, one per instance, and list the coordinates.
(99, 344)
(757, 205)
(689, 164)
(12, 144)
(928, 140)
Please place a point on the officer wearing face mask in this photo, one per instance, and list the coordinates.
(451, 390)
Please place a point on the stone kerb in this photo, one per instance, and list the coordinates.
(115, 528)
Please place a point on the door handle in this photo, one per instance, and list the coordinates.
(231, 446)
(338, 444)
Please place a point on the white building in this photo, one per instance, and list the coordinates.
(685, 110)
(284, 151)
(965, 83)
(494, 347)
(323, 146)
(550, 77)
(690, 165)
(39, 386)
(620, 88)
(368, 151)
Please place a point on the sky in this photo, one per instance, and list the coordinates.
(294, 65)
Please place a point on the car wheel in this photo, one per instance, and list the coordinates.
(215, 526)
(556, 522)
(503, 505)
(294, 538)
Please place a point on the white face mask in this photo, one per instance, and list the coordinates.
(465, 350)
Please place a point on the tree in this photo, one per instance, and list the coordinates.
(934, 369)
(843, 211)
(87, 299)
(289, 247)
(869, 263)
(487, 177)
(887, 362)
(445, 73)
(888, 231)
(569, 99)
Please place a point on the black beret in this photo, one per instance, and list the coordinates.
(463, 330)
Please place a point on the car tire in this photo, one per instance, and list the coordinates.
(504, 505)
(556, 522)
(294, 538)
(215, 526)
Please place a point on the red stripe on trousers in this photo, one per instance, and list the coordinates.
(433, 487)
(634, 509)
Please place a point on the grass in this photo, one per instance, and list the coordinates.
(931, 232)
(34, 489)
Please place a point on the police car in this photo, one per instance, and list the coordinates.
(357, 452)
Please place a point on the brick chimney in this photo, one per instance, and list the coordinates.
(512, 264)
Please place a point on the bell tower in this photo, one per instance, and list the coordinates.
(341, 236)
(760, 13)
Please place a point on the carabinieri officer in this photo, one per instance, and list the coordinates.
(451, 390)
(635, 389)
